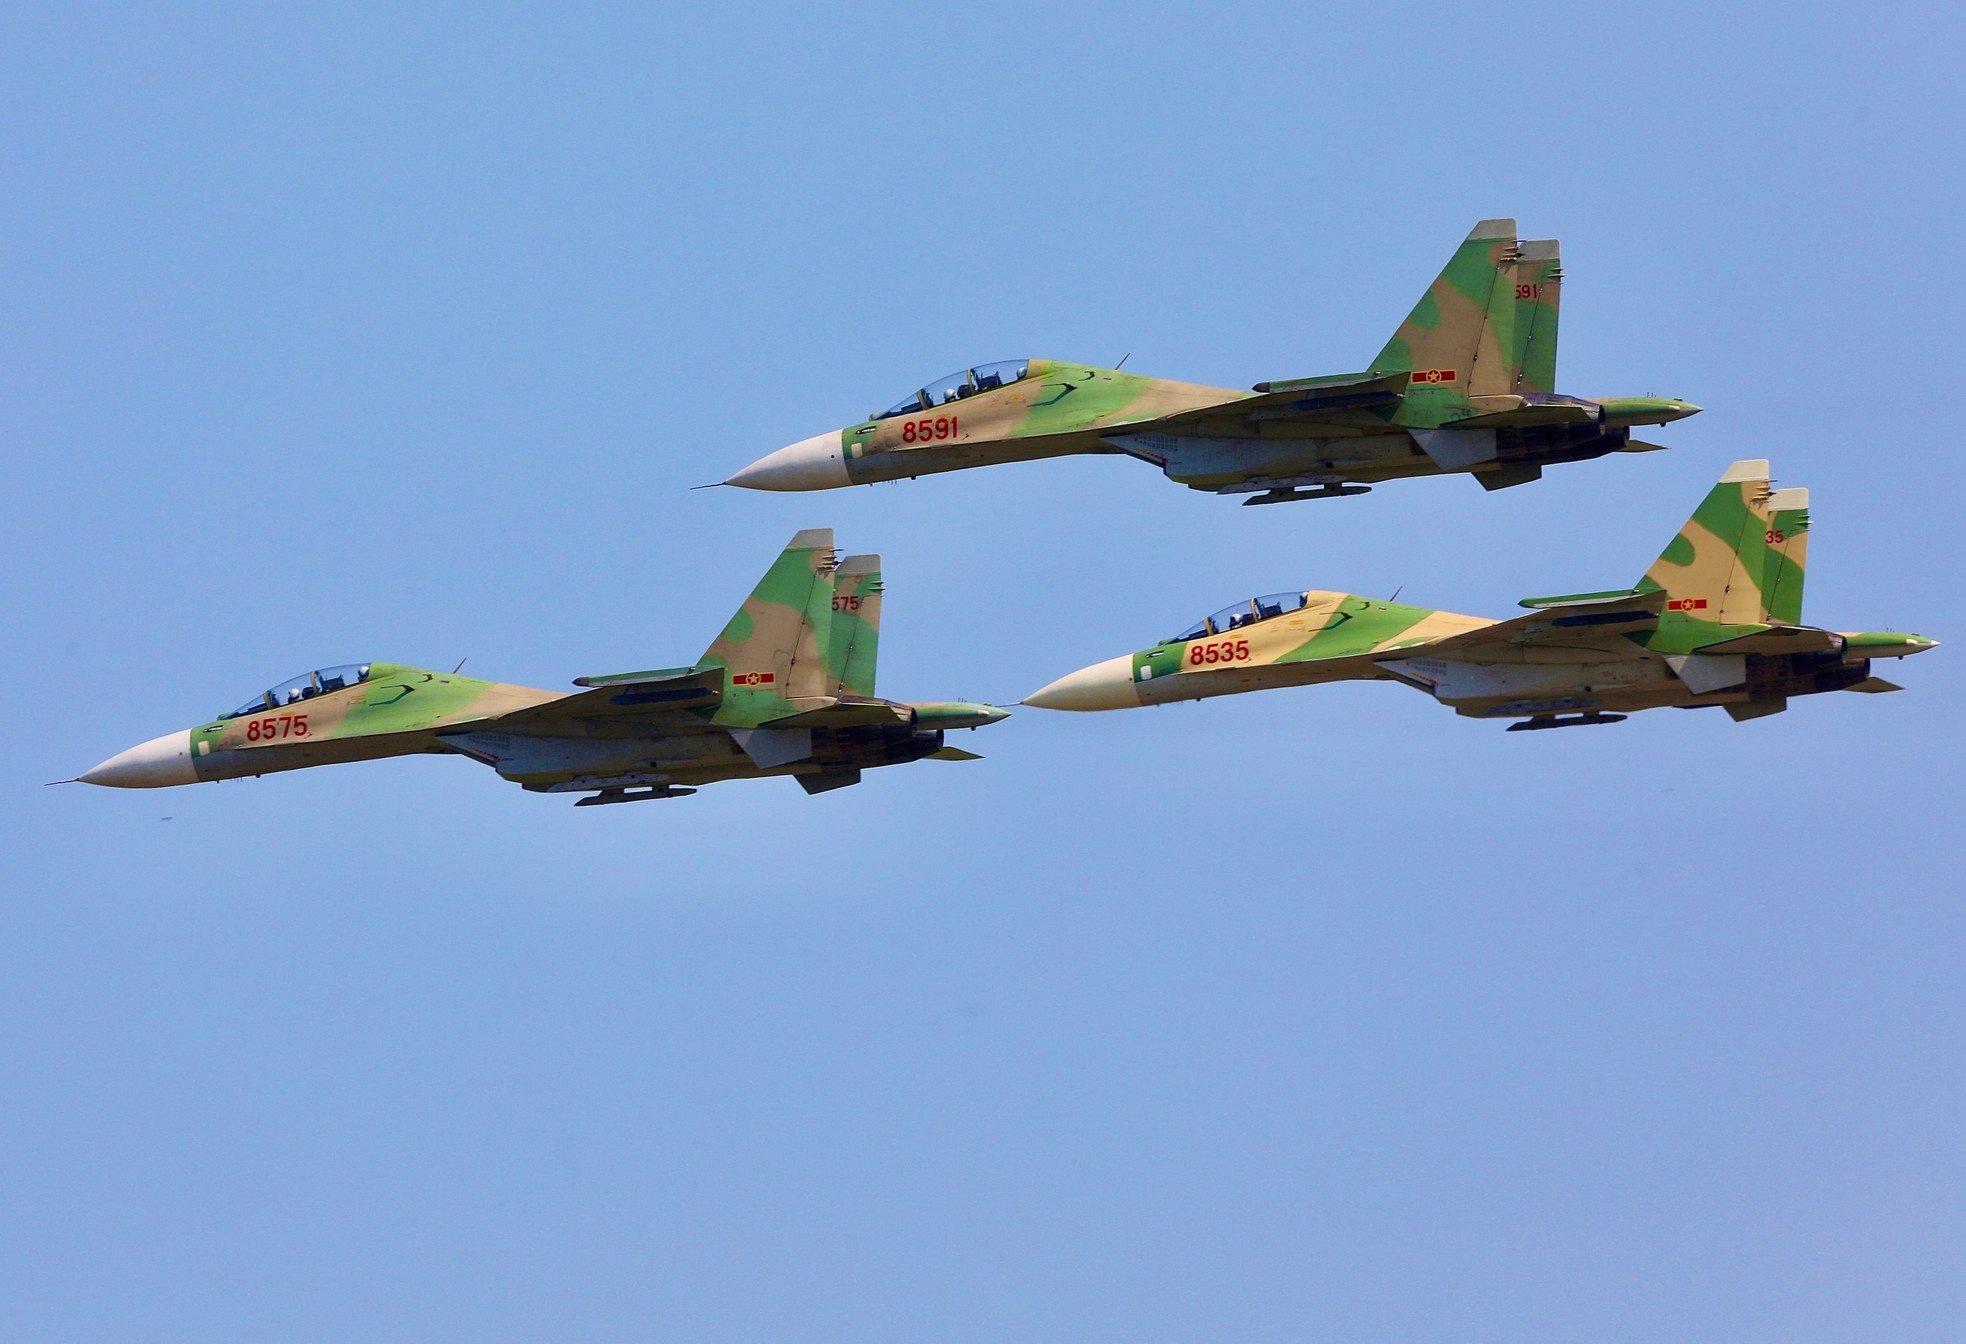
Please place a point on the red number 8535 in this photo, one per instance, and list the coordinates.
(1232, 651)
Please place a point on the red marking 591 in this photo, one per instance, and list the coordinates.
(1228, 651)
(269, 730)
(930, 431)
(1529, 291)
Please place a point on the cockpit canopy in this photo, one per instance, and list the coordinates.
(304, 687)
(1241, 614)
(960, 384)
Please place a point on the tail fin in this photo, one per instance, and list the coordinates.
(855, 640)
(1787, 539)
(1529, 299)
(1739, 559)
(775, 646)
(1450, 342)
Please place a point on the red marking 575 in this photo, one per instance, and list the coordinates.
(271, 730)
(1228, 651)
(846, 602)
(930, 431)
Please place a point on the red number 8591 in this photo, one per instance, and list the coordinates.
(928, 431)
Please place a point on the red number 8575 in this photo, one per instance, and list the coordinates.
(266, 730)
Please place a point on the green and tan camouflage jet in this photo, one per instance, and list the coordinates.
(1716, 620)
(1467, 384)
(786, 689)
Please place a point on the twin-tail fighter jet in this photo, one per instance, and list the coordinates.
(786, 689)
(1716, 620)
(1467, 384)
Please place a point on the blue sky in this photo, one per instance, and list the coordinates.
(1317, 1014)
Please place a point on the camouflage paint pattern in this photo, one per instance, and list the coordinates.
(1458, 340)
(1715, 621)
(1531, 298)
(773, 647)
(787, 688)
(1477, 352)
(1736, 567)
(398, 711)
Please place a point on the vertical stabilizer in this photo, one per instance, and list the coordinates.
(1738, 561)
(775, 646)
(855, 641)
(1530, 299)
(1448, 342)
(1787, 537)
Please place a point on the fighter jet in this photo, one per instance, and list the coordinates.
(1716, 620)
(786, 689)
(1467, 384)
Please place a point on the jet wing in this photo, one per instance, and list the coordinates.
(1593, 629)
(624, 696)
(1778, 639)
(1512, 412)
(843, 711)
(1295, 398)
(1334, 390)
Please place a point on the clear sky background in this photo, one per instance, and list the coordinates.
(1309, 1015)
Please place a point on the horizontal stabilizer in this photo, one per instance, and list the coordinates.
(1640, 446)
(958, 754)
(1874, 686)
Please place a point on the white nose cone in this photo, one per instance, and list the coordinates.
(1107, 685)
(157, 763)
(817, 463)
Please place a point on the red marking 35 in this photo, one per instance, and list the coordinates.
(753, 678)
(1687, 604)
(1435, 375)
